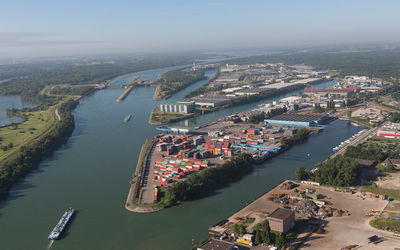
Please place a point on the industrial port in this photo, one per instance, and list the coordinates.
(178, 152)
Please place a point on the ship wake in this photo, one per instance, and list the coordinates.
(50, 244)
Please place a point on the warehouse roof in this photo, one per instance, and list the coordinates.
(298, 117)
(281, 214)
(327, 90)
(214, 244)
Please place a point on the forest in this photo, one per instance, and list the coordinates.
(339, 171)
(30, 78)
(175, 80)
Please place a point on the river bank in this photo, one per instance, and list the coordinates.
(160, 118)
(73, 173)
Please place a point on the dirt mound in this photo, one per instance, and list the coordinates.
(340, 213)
(306, 208)
(320, 231)
(288, 185)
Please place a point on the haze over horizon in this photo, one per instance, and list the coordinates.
(74, 27)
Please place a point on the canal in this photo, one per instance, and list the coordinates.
(91, 173)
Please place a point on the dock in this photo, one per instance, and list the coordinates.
(362, 138)
(125, 94)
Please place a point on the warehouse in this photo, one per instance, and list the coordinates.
(297, 120)
(252, 91)
(215, 244)
(281, 220)
(332, 93)
(178, 107)
(390, 131)
(211, 102)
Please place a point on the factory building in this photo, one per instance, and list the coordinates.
(281, 220)
(230, 78)
(332, 93)
(390, 131)
(216, 244)
(178, 107)
(211, 102)
(297, 120)
(251, 91)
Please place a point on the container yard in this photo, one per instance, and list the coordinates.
(179, 153)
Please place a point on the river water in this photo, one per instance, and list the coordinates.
(9, 102)
(91, 173)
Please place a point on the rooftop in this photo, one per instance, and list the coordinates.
(281, 213)
(344, 90)
(298, 117)
(214, 244)
(391, 161)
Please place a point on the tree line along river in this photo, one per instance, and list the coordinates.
(91, 173)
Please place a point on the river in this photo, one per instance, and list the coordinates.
(91, 173)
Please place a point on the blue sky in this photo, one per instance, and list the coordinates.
(56, 27)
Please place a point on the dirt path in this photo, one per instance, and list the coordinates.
(58, 115)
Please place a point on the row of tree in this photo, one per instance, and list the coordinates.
(208, 180)
(300, 136)
(367, 151)
(339, 171)
(259, 117)
(29, 156)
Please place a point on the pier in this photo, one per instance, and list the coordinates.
(125, 94)
(362, 138)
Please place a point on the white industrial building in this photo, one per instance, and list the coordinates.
(178, 107)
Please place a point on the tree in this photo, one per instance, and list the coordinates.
(236, 228)
(279, 241)
(242, 229)
(318, 109)
(296, 107)
(302, 174)
(349, 114)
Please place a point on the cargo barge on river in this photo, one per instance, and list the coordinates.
(62, 223)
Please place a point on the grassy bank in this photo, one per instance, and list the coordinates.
(361, 122)
(388, 224)
(36, 124)
(38, 135)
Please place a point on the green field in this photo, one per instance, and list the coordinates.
(386, 224)
(167, 117)
(35, 125)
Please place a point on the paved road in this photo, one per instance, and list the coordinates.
(148, 189)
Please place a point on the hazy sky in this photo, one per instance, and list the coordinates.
(54, 27)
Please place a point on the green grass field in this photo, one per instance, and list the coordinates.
(166, 117)
(36, 124)
(386, 224)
